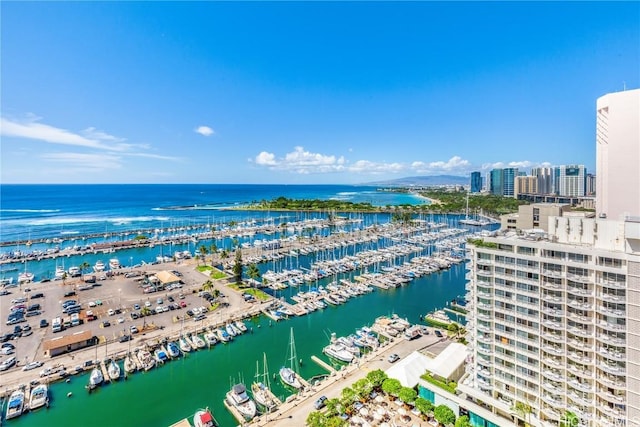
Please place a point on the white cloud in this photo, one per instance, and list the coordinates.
(523, 165)
(301, 161)
(456, 165)
(204, 130)
(376, 168)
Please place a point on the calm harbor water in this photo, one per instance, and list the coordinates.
(175, 390)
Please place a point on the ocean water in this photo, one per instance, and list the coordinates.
(64, 211)
(174, 391)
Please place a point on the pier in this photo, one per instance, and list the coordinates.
(236, 414)
(323, 364)
(105, 372)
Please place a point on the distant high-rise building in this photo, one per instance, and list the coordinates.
(618, 154)
(525, 185)
(496, 182)
(556, 180)
(572, 180)
(476, 182)
(590, 187)
(544, 176)
(508, 181)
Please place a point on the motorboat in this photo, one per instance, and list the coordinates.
(210, 338)
(74, 271)
(231, 330)
(240, 326)
(25, 277)
(146, 360)
(113, 370)
(114, 264)
(60, 273)
(99, 266)
(239, 399)
(262, 395)
(339, 352)
(39, 396)
(96, 377)
(204, 418)
(223, 335)
(184, 345)
(160, 354)
(197, 341)
(173, 349)
(16, 404)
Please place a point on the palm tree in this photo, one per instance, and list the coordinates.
(84, 266)
(213, 249)
(207, 286)
(362, 387)
(203, 253)
(237, 267)
(253, 272)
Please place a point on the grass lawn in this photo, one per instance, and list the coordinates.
(257, 293)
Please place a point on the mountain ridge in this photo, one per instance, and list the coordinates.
(426, 180)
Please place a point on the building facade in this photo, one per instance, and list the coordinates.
(476, 182)
(495, 182)
(554, 322)
(525, 185)
(544, 178)
(618, 154)
(573, 179)
(508, 181)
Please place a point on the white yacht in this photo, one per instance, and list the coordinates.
(16, 404)
(99, 266)
(203, 418)
(74, 271)
(96, 377)
(339, 352)
(39, 397)
(114, 370)
(239, 399)
(114, 264)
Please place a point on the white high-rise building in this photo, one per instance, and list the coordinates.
(573, 179)
(554, 322)
(618, 155)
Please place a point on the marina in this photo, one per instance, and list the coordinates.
(362, 266)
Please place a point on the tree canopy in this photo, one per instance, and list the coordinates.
(444, 415)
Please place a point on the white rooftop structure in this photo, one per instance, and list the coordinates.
(445, 365)
(449, 361)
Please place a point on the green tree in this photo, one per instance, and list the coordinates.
(84, 267)
(425, 406)
(569, 419)
(316, 419)
(377, 377)
(224, 254)
(362, 387)
(237, 267)
(454, 329)
(145, 311)
(333, 406)
(348, 396)
(253, 272)
(336, 421)
(391, 386)
(213, 249)
(523, 410)
(203, 253)
(444, 415)
(207, 286)
(463, 421)
(407, 395)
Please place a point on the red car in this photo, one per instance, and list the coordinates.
(183, 304)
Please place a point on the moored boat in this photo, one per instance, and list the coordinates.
(197, 341)
(240, 326)
(146, 360)
(239, 399)
(173, 350)
(99, 266)
(204, 418)
(96, 377)
(39, 396)
(184, 345)
(114, 264)
(339, 352)
(129, 364)
(210, 338)
(16, 404)
(114, 370)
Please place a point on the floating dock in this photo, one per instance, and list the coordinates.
(105, 372)
(234, 411)
(323, 364)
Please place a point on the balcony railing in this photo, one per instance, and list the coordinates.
(612, 311)
(612, 382)
(616, 399)
(612, 298)
(616, 284)
(612, 368)
(612, 326)
(612, 354)
(606, 338)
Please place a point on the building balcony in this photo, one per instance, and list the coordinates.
(482, 362)
(484, 305)
(554, 337)
(553, 348)
(582, 305)
(483, 328)
(553, 324)
(612, 381)
(484, 294)
(483, 350)
(485, 339)
(551, 286)
(612, 368)
(580, 291)
(611, 354)
(616, 413)
(481, 261)
(581, 385)
(554, 375)
(613, 284)
(551, 273)
(585, 320)
(581, 345)
(580, 278)
(615, 398)
(612, 326)
(552, 400)
(578, 357)
(553, 298)
(582, 372)
(580, 399)
(484, 316)
(583, 413)
(610, 339)
(550, 412)
(611, 311)
(553, 311)
(620, 299)
(555, 388)
(584, 333)
(555, 362)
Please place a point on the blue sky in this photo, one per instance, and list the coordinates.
(304, 92)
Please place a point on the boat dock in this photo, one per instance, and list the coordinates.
(456, 313)
(269, 315)
(105, 372)
(323, 364)
(234, 411)
(298, 309)
(182, 423)
(134, 357)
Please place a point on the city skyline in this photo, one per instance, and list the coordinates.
(305, 92)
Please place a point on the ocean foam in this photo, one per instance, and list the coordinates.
(31, 210)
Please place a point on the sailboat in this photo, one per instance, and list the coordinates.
(113, 370)
(26, 276)
(261, 388)
(288, 374)
(470, 221)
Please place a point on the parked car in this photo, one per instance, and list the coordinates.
(393, 358)
(7, 363)
(32, 365)
(438, 333)
(44, 323)
(69, 294)
(37, 295)
(320, 403)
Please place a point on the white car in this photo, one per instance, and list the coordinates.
(32, 365)
(111, 312)
(147, 304)
(6, 350)
(120, 319)
(133, 329)
(92, 303)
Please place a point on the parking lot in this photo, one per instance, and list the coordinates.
(111, 309)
